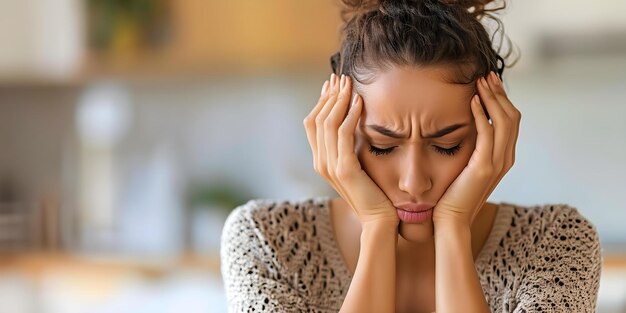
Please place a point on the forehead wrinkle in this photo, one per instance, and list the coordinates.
(417, 96)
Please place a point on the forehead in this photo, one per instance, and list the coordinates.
(410, 93)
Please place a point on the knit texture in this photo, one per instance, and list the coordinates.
(281, 256)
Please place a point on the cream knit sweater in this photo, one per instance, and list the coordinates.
(281, 256)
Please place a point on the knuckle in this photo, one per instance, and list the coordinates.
(332, 175)
(324, 173)
(332, 98)
(341, 96)
(330, 123)
(343, 130)
(498, 167)
(486, 170)
(343, 174)
(308, 121)
(508, 166)
(319, 120)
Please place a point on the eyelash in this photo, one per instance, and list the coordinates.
(446, 152)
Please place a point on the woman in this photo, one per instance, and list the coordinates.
(414, 130)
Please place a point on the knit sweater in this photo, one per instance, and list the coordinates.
(281, 256)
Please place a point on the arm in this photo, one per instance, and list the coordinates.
(457, 286)
(373, 287)
(563, 274)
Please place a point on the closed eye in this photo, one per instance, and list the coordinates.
(444, 151)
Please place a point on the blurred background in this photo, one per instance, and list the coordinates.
(129, 129)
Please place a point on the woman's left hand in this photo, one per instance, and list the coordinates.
(492, 158)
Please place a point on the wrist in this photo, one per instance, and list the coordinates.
(452, 227)
(451, 221)
(377, 235)
(382, 225)
(380, 222)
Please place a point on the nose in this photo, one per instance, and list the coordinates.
(415, 178)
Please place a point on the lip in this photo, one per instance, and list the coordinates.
(414, 207)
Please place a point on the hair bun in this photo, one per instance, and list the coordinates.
(356, 7)
(474, 7)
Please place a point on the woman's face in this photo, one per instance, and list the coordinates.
(414, 103)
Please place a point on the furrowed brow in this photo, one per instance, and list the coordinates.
(440, 133)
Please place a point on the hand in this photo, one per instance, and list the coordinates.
(332, 142)
(492, 158)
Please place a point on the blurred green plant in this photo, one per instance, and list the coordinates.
(125, 24)
(223, 195)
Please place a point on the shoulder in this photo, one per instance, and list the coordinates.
(544, 222)
(567, 237)
(283, 242)
(282, 233)
(552, 254)
(558, 224)
(548, 227)
(267, 217)
(256, 237)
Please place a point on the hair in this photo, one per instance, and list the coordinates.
(379, 34)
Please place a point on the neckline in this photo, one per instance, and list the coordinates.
(332, 245)
(503, 212)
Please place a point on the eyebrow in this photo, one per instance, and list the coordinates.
(440, 133)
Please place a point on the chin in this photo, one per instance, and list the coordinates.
(417, 232)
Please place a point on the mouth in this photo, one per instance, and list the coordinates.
(414, 217)
(415, 213)
(415, 207)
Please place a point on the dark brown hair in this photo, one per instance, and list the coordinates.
(379, 34)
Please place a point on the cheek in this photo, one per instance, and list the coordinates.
(375, 167)
(367, 159)
(443, 169)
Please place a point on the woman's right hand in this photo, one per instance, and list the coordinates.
(331, 136)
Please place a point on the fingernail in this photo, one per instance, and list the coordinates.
(342, 81)
(494, 78)
(324, 87)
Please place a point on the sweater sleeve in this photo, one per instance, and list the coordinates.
(563, 275)
(248, 267)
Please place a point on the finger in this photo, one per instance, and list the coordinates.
(484, 140)
(346, 158)
(335, 118)
(346, 131)
(309, 121)
(319, 123)
(496, 87)
(501, 124)
(513, 112)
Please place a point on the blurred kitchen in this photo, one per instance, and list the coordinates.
(129, 129)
